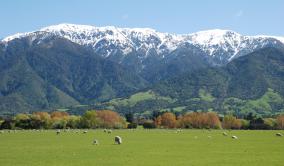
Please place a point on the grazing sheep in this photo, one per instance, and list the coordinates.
(234, 137)
(117, 140)
(95, 142)
(178, 131)
(225, 134)
(109, 131)
(1, 132)
(57, 132)
(105, 130)
(85, 132)
(279, 134)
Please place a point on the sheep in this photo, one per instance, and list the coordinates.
(117, 140)
(178, 131)
(279, 134)
(109, 131)
(105, 130)
(57, 132)
(225, 134)
(1, 132)
(234, 137)
(95, 142)
(85, 132)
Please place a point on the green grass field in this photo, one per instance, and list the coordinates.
(142, 147)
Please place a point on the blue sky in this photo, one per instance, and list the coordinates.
(249, 17)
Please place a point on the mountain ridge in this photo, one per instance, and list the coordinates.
(107, 41)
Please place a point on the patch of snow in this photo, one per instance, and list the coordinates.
(110, 39)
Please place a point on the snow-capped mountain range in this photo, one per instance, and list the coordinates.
(221, 45)
(66, 65)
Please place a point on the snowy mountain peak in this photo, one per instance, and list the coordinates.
(68, 27)
(110, 41)
(124, 39)
(216, 36)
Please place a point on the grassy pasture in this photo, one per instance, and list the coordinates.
(142, 147)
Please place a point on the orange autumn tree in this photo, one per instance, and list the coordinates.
(44, 117)
(192, 120)
(59, 114)
(110, 119)
(212, 120)
(59, 119)
(168, 120)
(200, 120)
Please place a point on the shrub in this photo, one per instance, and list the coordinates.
(280, 121)
(8, 124)
(231, 122)
(110, 119)
(200, 120)
(132, 126)
(168, 120)
(244, 124)
(270, 123)
(149, 124)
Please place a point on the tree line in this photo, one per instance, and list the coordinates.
(62, 120)
(109, 119)
(211, 120)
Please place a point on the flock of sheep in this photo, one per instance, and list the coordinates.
(118, 139)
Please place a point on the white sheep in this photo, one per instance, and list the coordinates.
(117, 140)
(279, 134)
(225, 134)
(85, 132)
(234, 137)
(96, 142)
(57, 132)
(109, 131)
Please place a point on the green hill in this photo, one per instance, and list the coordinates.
(252, 83)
